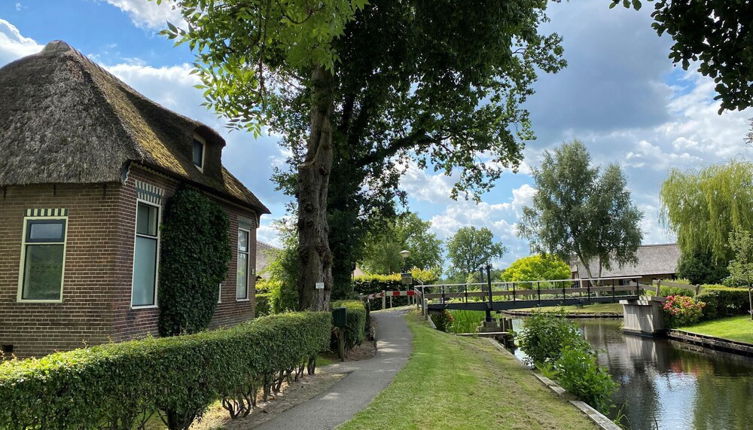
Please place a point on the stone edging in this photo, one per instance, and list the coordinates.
(711, 342)
(597, 417)
(569, 315)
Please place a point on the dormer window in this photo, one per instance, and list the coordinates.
(198, 154)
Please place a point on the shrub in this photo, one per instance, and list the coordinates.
(723, 301)
(466, 321)
(546, 334)
(263, 304)
(117, 386)
(700, 267)
(577, 371)
(442, 319)
(356, 322)
(682, 310)
(194, 257)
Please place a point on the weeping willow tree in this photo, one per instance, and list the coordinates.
(704, 207)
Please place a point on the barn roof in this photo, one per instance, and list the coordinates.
(652, 260)
(67, 120)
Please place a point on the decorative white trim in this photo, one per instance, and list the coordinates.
(149, 193)
(203, 142)
(248, 265)
(41, 214)
(133, 261)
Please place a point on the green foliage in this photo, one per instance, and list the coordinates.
(374, 283)
(242, 46)
(471, 248)
(442, 319)
(682, 310)
(466, 321)
(356, 323)
(709, 34)
(537, 267)
(699, 267)
(741, 267)
(194, 257)
(405, 232)
(723, 301)
(704, 207)
(117, 386)
(582, 212)
(577, 371)
(546, 334)
(283, 271)
(263, 304)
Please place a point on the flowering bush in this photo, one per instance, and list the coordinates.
(682, 310)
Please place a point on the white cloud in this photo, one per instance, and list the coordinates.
(13, 44)
(148, 14)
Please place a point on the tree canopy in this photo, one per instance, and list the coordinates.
(405, 232)
(703, 207)
(717, 35)
(471, 248)
(444, 90)
(537, 267)
(581, 211)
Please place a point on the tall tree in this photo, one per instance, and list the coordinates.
(405, 232)
(444, 90)
(249, 54)
(715, 34)
(471, 248)
(579, 212)
(741, 266)
(704, 207)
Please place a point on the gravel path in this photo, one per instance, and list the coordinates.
(365, 380)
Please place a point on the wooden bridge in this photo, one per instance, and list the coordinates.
(501, 296)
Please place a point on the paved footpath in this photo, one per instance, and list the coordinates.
(366, 379)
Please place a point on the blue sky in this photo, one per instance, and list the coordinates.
(620, 95)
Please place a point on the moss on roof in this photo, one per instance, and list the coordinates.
(66, 120)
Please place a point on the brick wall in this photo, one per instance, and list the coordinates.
(96, 303)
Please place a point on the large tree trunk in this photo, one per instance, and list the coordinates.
(314, 254)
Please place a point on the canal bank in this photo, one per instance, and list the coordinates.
(668, 384)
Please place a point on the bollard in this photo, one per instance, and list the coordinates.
(384, 301)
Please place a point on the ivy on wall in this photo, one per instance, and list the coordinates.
(194, 257)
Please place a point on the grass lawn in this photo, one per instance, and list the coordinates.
(464, 383)
(739, 328)
(585, 309)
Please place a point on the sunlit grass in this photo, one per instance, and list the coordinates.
(738, 328)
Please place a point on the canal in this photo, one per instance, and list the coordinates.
(671, 385)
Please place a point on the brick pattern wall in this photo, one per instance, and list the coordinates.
(84, 316)
(96, 304)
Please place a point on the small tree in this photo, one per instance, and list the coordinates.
(741, 268)
(537, 267)
(579, 212)
(471, 248)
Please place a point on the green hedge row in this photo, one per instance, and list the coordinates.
(356, 322)
(723, 301)
(120, 385)
(263, 304)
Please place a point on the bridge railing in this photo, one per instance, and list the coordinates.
(585, 288)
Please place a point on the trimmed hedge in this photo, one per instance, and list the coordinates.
(723, 301)
(263, 304)
(356, 322)
(118, 386)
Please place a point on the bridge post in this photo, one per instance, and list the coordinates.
(613, 299)
(563, 292)
(465, 287)
(538, 291)
(588, 290)
(491, 297)
(513, 291)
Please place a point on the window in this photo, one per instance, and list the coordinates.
(198, 153)
(145, 255)
(219, 296)
(241, 279)
(42, 260)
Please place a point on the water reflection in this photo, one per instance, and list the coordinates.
(671, 385)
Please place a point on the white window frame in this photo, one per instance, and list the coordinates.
(248, 265)
(199, 139)
(133, 262)
(219, 296)
(22, 264)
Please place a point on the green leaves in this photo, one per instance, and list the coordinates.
(194, 257)
(470, 249)
(115, 385)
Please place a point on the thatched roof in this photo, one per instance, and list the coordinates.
(64, 119)
(652, 260)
